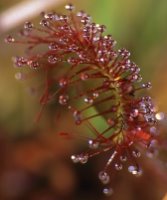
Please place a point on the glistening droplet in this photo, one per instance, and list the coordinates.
(104, 177)
(63, 99)
(108, 191)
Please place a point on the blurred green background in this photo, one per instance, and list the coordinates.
(33, 154)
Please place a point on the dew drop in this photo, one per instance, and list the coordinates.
(81, 13)
(53, 46)
(77, 117)
(95, 94)
(152, 153)
(20, 76)
(63, 99)
(84, 76)
(118, 166)
(160, 116)
(33, 64)
(52, 59)
(50, 15)
(93, 144)
(9, 39)
(104, 177)
(69, 7)
(135, 113)
(136, 153)
(88, 100)
(63, 82)
(44, 23)
(107, 191)
(102, 28)
(123, 158)
(75, 158)
(83, 159)
(28, 26)
(135, 170)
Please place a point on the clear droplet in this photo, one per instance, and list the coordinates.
(108, 191)
(88, 100)
(33, 64)
(20, 76)
(135, 113)
(110, 122)
(83, 159)
(136, 153)
(75, 158)
(84, 76)
(95, 94)
(118, 166)
(104, 177)
(123, 158)
(44, 23)
(63, 82)
(77, 117)
(52, 59)
(69, 7)
(93, 144)
(53, 46)
(63, 99)
(9, 39)
(152, 153)
(28, 26)
(135, 170)
(160, 116)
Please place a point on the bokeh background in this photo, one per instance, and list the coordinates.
(34, 159)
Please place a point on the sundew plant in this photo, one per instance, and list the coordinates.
(98, 81)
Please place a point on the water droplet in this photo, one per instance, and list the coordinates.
(118, 166)
(83, 159)
(95, 95)
(63, 18)
(75, 158)
(63, 99)
(53, 46)
(9, 39)
(69, 7)
(20, 76)
(102, 28)
(154, 131)
(135, 113)
(63, 82)
(110, 122)
(135, 170)
(93, 144)
(84, 76)
(81, 13)
(44, 23)
(72, 60)
(52, 59)
(77, 117)
(33, 64)
(104, 177)
(28, 26)
(160, 116)
(50, 15)
(136, 153)
(147, 85)
(19, 61)
(108, 191)
(88, 100)
(123, 158)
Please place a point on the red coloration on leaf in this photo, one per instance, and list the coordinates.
(97, 75)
